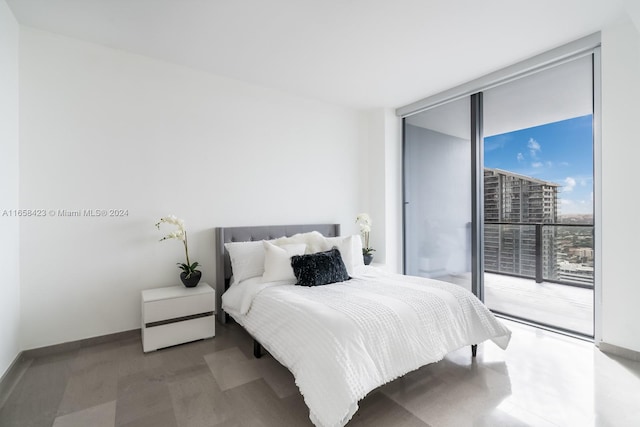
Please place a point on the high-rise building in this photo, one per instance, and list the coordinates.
(515, 199)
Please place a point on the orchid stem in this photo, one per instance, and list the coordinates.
(186, 248)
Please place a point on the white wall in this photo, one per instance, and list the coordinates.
(393, 190)
(9, 226)
(103, 129)
(381, 181)
(374, 180)
(620, 205)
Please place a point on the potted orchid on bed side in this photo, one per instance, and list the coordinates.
(364, 221)
(190, 276)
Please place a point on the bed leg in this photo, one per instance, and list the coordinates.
(474, 350)
(257, 349)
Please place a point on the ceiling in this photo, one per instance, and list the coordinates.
(356, 53)
(519, 104)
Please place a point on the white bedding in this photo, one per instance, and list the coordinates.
(343, 340)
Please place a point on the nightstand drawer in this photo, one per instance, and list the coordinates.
(155, 311)
(178, 333)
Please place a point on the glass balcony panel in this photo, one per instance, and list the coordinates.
(511, 269)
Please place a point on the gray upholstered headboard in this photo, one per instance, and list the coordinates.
(248, 234)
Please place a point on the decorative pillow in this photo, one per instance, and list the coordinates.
(247, 259)
(321, 268)
(350, 248)
(277, 261)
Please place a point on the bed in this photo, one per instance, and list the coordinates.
(344, 339)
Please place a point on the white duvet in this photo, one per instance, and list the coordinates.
(343, 340)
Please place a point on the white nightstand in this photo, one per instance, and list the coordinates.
(176, 314)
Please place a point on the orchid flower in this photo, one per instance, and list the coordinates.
(364, 221)
(179, 234)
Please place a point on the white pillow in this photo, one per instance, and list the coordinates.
(247, 259)
(277, 261)
(314, 240)
(350, 248)
(356, 241)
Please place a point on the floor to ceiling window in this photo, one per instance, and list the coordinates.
(538, 197)
(499, 191)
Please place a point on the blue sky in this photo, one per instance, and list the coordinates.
(560, 152)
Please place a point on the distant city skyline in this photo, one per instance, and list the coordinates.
(559, 152)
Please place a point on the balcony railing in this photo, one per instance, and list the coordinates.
(561, 253)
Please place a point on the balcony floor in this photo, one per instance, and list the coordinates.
(562, 306)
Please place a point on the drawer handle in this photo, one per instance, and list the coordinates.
(178, 319)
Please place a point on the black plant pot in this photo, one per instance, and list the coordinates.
(367, 259)
(192, 281)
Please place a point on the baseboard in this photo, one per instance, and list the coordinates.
(12, 375)
(620, 351)
(75, 345)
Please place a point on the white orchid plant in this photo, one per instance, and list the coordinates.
(179, 234)
(364, 221)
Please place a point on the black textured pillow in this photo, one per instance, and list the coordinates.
(320, 268)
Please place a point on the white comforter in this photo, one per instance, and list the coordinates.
(343, 340)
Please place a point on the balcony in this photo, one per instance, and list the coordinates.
(556, 305)
(541, 272)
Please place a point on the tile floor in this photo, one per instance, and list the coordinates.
(542, 379)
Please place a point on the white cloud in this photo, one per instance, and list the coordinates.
(494, 144)
(536, 164)
(569, 183)
(564, 163)
(580, 205)
(520, 157)
(570, 206)
(534, 147)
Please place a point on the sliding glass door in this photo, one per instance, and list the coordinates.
(437, 199)
(498, 194)
(538, 195)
